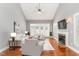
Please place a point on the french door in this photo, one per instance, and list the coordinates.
(40, 29)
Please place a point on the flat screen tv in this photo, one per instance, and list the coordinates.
(62, 24)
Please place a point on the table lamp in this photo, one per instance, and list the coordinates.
(13, 35)
(26, 32)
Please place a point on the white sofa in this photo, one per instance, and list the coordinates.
(31, 48)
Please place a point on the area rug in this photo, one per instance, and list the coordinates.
(47, 45)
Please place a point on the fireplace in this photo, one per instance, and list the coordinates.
(62, 38)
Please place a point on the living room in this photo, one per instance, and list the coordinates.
(39, 29)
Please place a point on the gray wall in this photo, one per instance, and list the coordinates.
(9, 13)
(28, 22)
(65, 10)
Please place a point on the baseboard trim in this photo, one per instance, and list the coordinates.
(3, 49)
(73, 49)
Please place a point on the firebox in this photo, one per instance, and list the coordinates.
(61, 39)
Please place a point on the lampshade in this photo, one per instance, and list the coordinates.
(26, 32)
(13, 34)
(69, 20)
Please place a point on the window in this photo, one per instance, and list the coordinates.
(39, 29)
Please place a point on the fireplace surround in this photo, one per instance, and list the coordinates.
(62, 39)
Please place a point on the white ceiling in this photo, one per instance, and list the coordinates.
(31, 11)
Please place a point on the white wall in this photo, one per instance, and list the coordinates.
(65, 10)
(9, 13)
(55, 30)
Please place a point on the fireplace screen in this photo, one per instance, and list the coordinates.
(62, 39)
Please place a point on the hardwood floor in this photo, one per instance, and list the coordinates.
(59, 51)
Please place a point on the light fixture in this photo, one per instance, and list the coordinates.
(69, 20)
(13, 34)
(39, 9)
(26, 32)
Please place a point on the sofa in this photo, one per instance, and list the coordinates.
(31, 48)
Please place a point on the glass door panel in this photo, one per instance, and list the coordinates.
(40, 29)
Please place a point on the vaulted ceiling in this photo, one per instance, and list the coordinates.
(48, 10)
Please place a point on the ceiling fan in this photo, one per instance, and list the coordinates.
(39, 9)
